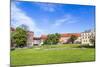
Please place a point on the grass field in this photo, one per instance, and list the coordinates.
(51, 54)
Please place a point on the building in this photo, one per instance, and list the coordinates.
(78, 40)
(37, 41)
(30, 36)
(43, 38)
(83, 38)
(65, 37)
(86, 36)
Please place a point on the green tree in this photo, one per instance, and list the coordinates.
(52, 39)
(92, 40)
(20, 37)
(12, 39)
(57, 37)
(72, 38)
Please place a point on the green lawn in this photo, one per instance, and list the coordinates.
(51, 54)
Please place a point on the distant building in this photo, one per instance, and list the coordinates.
(65, 37)
(43, 38)
(78, 40)
(37, 41)
(85, 36)
(30, 36)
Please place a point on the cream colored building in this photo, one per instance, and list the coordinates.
(78, 40)
(85, 37)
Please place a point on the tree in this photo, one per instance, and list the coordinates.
(52, 39)
(72, 38)
(92, 40)
(12, 40)
(20, 37)
(25, 27)
(57, 37)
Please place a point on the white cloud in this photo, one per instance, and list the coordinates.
(67, 19)
(47, 7)
(60, 21)
(19, 17)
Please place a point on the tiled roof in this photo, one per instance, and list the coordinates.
(43, 36)
(63, 35)
(70, 34)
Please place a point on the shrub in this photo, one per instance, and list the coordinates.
(86, 46)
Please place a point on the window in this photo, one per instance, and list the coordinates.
(86, 40)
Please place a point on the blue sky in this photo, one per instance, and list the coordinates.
(46, 18)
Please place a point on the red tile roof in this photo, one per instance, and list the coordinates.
(70, 34)
(43, 36)
(63, 35)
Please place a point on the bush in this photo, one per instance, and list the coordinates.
(86, 46)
